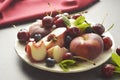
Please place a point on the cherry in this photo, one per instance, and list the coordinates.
(107, 70)
(23, 35)
(98, 28)
(56, 17)
(118, 51)
(73, 32)
(60, 15)
(47, 21)
(60, 22)
(68, 55)
(107, 43)
(75, 16)
(67, 15)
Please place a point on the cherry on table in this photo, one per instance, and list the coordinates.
(118, 51)
(107, 70)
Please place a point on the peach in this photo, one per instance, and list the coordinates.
(88, 45)
(36, 52)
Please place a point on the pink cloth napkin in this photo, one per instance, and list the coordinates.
(17, 11)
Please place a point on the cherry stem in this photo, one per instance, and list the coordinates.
(104, 18)
(92, 62)
(59, 11)
(110, 27)
(15, 27)
(51, 10)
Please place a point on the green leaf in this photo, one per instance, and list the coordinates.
(79, 20)
(66, 64)
(116, 59)
(83, 26)
(117, 69)
(66, 20)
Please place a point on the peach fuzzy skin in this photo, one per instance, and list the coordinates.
(89, 45)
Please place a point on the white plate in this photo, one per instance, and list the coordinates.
(102, 58)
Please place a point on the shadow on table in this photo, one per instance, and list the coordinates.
(37, 74)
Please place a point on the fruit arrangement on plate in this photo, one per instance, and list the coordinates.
(66, 41)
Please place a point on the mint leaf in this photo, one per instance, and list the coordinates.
(66, 64)
(117, 69)
(83, 26)
(66, 20)
(79, 20)
(116, 59)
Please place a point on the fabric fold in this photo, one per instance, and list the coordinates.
(25, 10)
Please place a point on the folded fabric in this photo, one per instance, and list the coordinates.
(25, 10)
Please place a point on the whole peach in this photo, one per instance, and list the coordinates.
(88, 45)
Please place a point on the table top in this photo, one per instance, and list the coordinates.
(14, 68)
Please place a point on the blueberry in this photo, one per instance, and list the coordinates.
(50, 62)
(89, 30)
(37, 37)
(67, 41)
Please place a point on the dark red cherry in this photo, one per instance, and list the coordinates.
(107, 70)
(68, 55)
(23, 35)
(47, 22)
(60, 22)
(107, 43)
(98, 28)
(75, 16)
(118, 51)
(73, 32)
